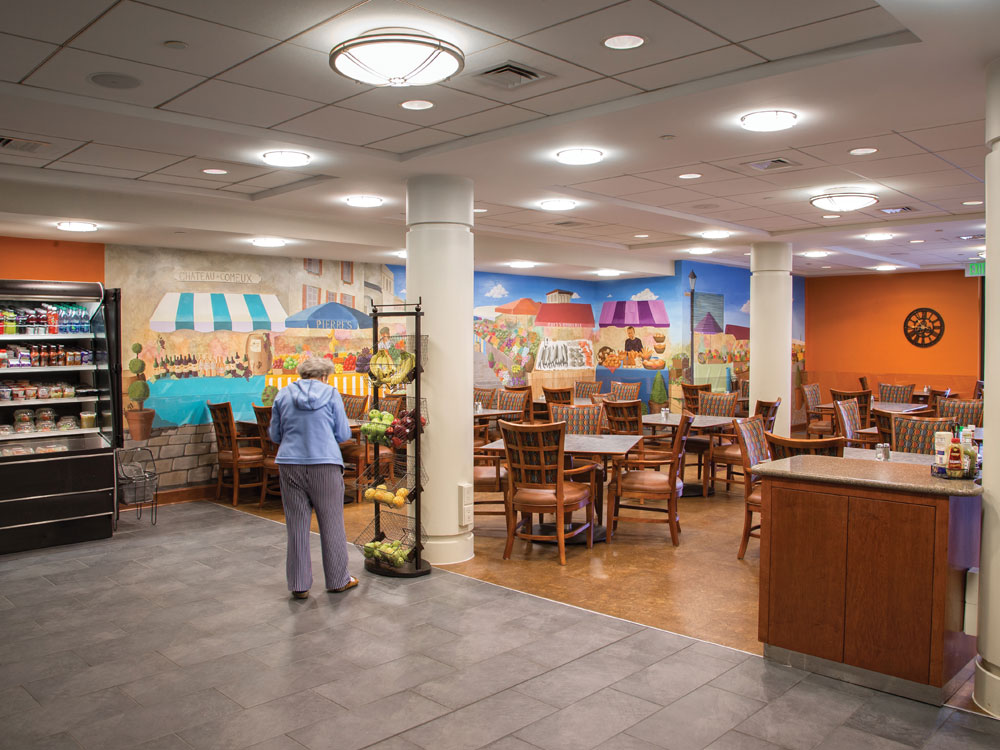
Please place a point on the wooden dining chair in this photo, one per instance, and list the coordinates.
(641, 479)
(961, 411)
(392, 404)
(847, 416)
(709, 405)
(355, 407)
(625, 418)
(934, 395)
(538, 484)
(897, 394)
(977, 392)
(690, 394)
(750, 435)
(883, 421)
(817, 423)
(586, 388)
(484, 396)
(234, 457)
(517, 402)
(625, 391)
(270, 450)
(489, 476)
(916, 434)
(782, 447)
(580, 420)
(526, 390)
(864, 399)
(552, 396)
(727, 451)
(863, 381)
(743, 404)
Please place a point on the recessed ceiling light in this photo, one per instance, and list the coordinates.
(884, 268)
(701, 250)
(286, 158)
(748, 253)
(363, 201)
(268, 242)
(397, 57)
(400, 253)
(215, 171)
(689, 176)
(522, 264)
(579, 156)
(843, 201)
(76, 226)
(479, 210)
(863, 151)
(826, 266)
(815, 253)
(114, 80)
(769, 120)
(916, 242)
(831, 216)
(624, 41)
(972, 203)
(977, 257)
(417, 104)
(878, 236)
(557, 204)
(608, 272)
(716, 234)
(969, 236)
(175, 44)
(641, 236)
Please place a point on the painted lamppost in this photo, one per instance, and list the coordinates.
(692, 277)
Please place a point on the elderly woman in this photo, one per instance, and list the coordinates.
(308, 422)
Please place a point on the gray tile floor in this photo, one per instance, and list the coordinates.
(183, 636)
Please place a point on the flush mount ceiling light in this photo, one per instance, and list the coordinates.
(286, 158)
(579, 156)
(400, 253)
(826, 266)
(878, 236)
(716, 234)
(363, 201)
(972, 203)
(522, 264)
(640, 236)
(884, 268)
(916, 242)
(609, 272)
(215, 171)
(175, 44)
(76, 226)
(815, 254)
(701, 250)
(267, 242)
(689, 176)
(831, 216)
(768, 121)
(417, 104)
(862, 151)
(624, 41)
(557, 204)
(479, 210)
(843, 201)
(397, 57)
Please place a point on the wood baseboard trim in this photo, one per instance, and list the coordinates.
(178, 495)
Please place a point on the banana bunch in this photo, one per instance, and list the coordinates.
(405, 369)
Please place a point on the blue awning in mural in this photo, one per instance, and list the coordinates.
(329, 315)
(205, 312)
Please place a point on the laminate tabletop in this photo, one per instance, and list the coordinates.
(699, 423)
(589, 445)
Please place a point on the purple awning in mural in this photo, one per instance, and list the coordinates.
(708, 325)
(620, 314)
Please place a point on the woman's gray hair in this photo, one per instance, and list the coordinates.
(315, 368)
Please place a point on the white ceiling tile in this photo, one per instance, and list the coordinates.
(865, 24)
(739, 186)
(978, 171)
(232, 102)
(129, 174)
(751, 18)
(584, 95)
(276, 179)
(560, 74)
(581, 40)
(691, 68)
(491, 119)
(416, 139)
(936, 193)
(901, 165)
(234, 172)
(120, 158)
(345, 126)
(188, 181)
(21, 56)
(742, 164)
(53, 148)
(137, 32)
(50, 20)
(22, 161)
(779, 223)
(664, 196)
(249, 189)
(940, 178)
(449, 104)
(816, 177)
(277, 19)
(68, 70)
(380, 14)
(973, 156)
(959, 135)
(671, 176)
(617, 185)
(889, 145)
(706, 205)
(511, 18)
(741, 214)
(527, 216)
(296, 71)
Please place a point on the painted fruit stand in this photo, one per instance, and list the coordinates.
(650, 321)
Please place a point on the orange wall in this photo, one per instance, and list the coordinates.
(854, 326)
(51, 260)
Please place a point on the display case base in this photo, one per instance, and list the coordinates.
(407, 571)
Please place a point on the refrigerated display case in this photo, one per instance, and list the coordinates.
(60, 411)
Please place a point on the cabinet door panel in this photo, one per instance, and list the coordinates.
(808, 555)
(890, 576)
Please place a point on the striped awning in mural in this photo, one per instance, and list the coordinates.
(197, 311)
(621, 314)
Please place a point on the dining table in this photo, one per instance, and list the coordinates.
(494, 413)
(889, 407)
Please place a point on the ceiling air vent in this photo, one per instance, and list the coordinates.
(21, 145)
(511, 75)
(900, 210)
(973, 237)
(769, 165)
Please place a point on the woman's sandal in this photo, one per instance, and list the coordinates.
(350, 585)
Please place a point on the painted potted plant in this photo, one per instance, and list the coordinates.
(140, 420)
(267, 397)
(658, 398)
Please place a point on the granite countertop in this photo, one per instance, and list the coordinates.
(889, 475)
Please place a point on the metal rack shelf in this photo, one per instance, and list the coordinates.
(16, 337)
(49, 435)
(44, 401)
(36, 370)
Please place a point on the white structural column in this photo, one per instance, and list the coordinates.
(987, 688)
(439, 269)
(771, 328)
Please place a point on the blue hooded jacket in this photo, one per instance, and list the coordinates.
(308, 423)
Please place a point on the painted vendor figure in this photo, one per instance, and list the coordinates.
(632, 342)
(383, 338)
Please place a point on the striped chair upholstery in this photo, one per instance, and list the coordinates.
(580, 420)
(586, 388)
(848, 419)
(391, 404)
(750, 435)
(812, 395)
(961, 411)
(864, 399)
(753, 440)
(787, 447)
(916, 434)
(716, 404)
(356, 407)
(883, 420)
(484, 396)
(512, 401)
(744, 389)
(897, 394)
(624, 391)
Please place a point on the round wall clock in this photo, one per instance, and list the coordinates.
(923, 327)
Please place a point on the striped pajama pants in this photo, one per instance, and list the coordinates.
(319, 487)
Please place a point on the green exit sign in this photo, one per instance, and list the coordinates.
(977, 268)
